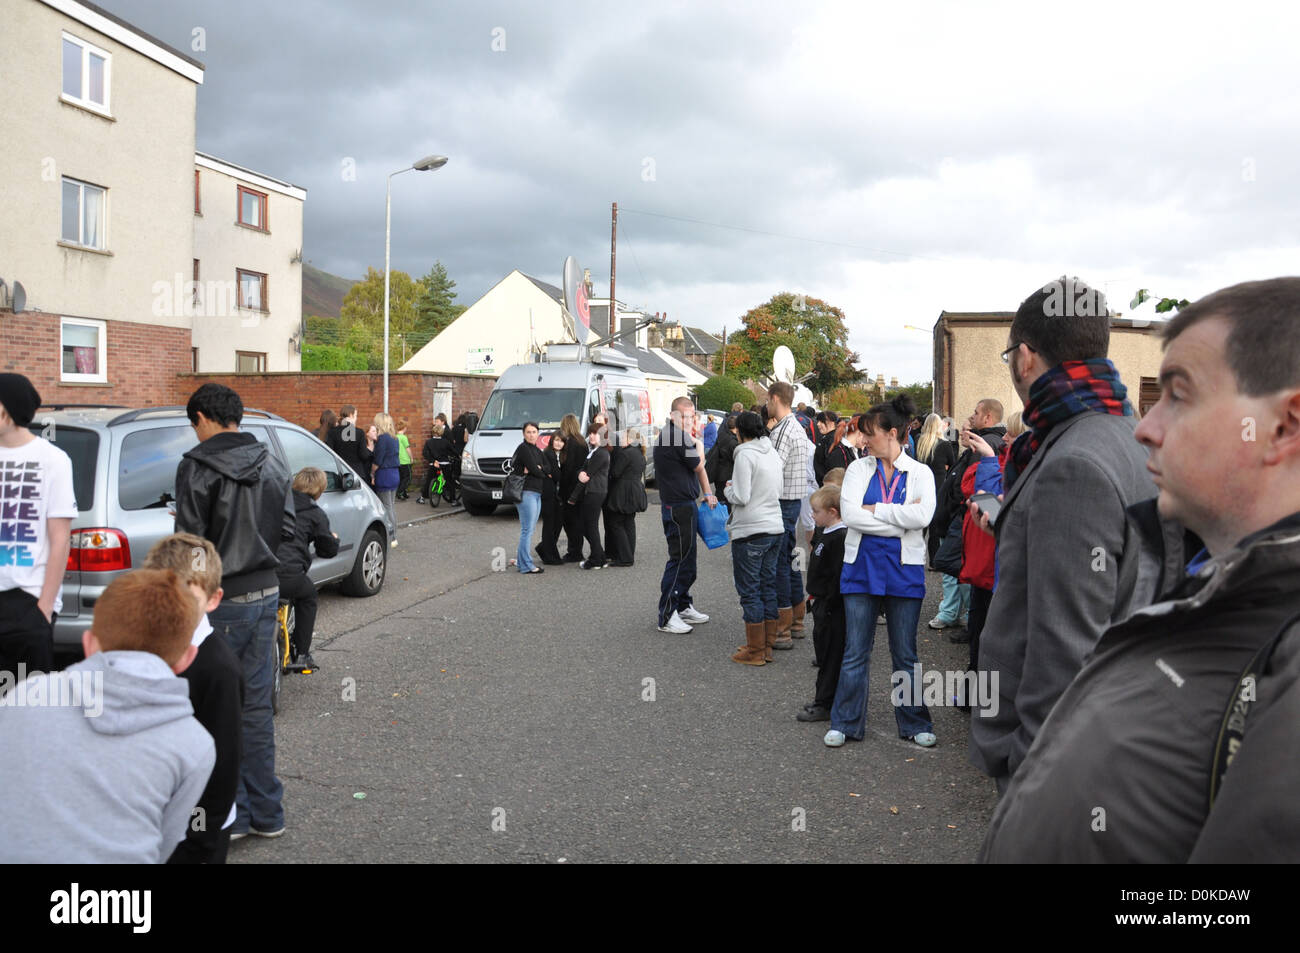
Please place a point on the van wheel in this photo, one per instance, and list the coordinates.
(479, 509)
(367, 576)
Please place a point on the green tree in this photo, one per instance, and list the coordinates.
(1163, 306)
(436, 305)
(721, 392)
(332, 357)
(813, 330)
(362, 316)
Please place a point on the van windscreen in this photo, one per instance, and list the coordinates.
(511, 409)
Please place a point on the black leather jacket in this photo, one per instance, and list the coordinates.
(230, 490)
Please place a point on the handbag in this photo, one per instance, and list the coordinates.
(513, 491)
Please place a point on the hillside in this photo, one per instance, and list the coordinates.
(322, 293)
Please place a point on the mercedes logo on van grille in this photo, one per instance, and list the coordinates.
(507, 466)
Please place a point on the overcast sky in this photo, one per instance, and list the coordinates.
(894, 159)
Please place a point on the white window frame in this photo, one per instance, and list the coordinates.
(81, 214)
(70, 377)
(84, 101)
(264, 305)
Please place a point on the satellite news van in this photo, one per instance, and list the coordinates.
(565, 379)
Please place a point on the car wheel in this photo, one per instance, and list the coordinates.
(478, 509)
(367, 576)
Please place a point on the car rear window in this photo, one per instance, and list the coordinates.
(82, 448)
(146, 472)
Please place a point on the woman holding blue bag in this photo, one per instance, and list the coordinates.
(756, 531)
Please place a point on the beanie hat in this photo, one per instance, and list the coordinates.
(19, 398)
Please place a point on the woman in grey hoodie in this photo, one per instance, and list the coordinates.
(756, 530)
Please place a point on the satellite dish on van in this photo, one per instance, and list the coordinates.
(577, 313)
(783, 364)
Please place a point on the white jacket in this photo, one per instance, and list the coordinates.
(906, 520)
(755, 490)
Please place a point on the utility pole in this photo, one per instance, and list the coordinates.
(724, 350)
(613, 268)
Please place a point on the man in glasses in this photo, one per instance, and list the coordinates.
(1067, 554)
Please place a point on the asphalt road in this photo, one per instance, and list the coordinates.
(472, 715)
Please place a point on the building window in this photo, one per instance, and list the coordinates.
(250, 362)
(198, 206)
(86, 74)
(83, 213)
(252, 290)
(252, 208)
(84, 348)
(194, 359)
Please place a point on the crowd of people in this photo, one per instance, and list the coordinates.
(1129, 595)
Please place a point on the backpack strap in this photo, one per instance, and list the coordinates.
(1233, 726)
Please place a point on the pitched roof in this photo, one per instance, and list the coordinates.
(700, 342)
(553, 292)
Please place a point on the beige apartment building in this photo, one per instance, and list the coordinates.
(967, 366)
(247, 270)
(95, 177)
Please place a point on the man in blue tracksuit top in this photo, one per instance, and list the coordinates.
(679, 475)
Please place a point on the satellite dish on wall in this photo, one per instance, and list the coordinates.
(20, 297)
(783, 364)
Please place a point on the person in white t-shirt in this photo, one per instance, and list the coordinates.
(37, 506)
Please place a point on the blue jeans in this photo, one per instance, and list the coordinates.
(249, 631)
(681, 523)
(789, 580)
(849, 714)
(956, 600)
(753, 563)
(529, 509)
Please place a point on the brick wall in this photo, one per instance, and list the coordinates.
(300, 398)
(142, 362)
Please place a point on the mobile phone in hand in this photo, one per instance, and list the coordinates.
(988, 504)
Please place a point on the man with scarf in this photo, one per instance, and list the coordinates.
(1067, 553)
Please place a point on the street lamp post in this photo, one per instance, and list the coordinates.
(424, 165)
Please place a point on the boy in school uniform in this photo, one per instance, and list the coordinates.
(105, 760)
(217, 693)
(828, 605)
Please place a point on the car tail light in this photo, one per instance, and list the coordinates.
(99, 550)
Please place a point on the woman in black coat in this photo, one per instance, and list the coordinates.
(588, 497)
(837, 448)
(626, 498)
(572, 458)
(552, 505)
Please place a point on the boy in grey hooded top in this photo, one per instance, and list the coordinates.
(105, 761)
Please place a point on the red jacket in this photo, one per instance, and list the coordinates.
(978, 549)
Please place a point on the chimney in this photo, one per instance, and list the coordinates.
(893, 382)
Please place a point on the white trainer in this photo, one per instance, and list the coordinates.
(834, 738)
(693, 615)
(675, 625)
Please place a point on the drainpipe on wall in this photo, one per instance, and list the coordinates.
(948, 383)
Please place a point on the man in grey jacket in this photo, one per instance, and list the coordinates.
(1178, 741)
(1067, 555)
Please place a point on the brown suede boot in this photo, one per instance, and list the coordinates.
(784, 617)
(796, 620)
(754, 649)
(769, 638)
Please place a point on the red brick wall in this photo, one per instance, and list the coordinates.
(300, 398)
(143, 360)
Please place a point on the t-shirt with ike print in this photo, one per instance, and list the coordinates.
(35, 486)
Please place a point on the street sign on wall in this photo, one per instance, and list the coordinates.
(479, 360)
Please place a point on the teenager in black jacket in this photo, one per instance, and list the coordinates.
(438, 455)
(552, 506)
(311, 526)
(626, 498)
(572, 458)
(719, 461)
(588, 496)
(349, 442)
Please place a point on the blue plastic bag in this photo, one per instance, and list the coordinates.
(712, 523)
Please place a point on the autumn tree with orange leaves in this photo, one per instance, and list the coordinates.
(813, 330)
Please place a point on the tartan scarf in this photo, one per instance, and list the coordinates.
(1067, 390)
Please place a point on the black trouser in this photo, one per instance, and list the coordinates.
(301, 591)
(620, 536)
(404, 479)
(590, 515)
(212, 851)
(828, 644)
(571, 515)
(25, 636)
(980, 600)
(452, 471)
(552, 519)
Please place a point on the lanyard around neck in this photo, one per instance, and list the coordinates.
(887, 496)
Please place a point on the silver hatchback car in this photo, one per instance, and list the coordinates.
(124, 476)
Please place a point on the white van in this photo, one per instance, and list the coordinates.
(560, 383)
